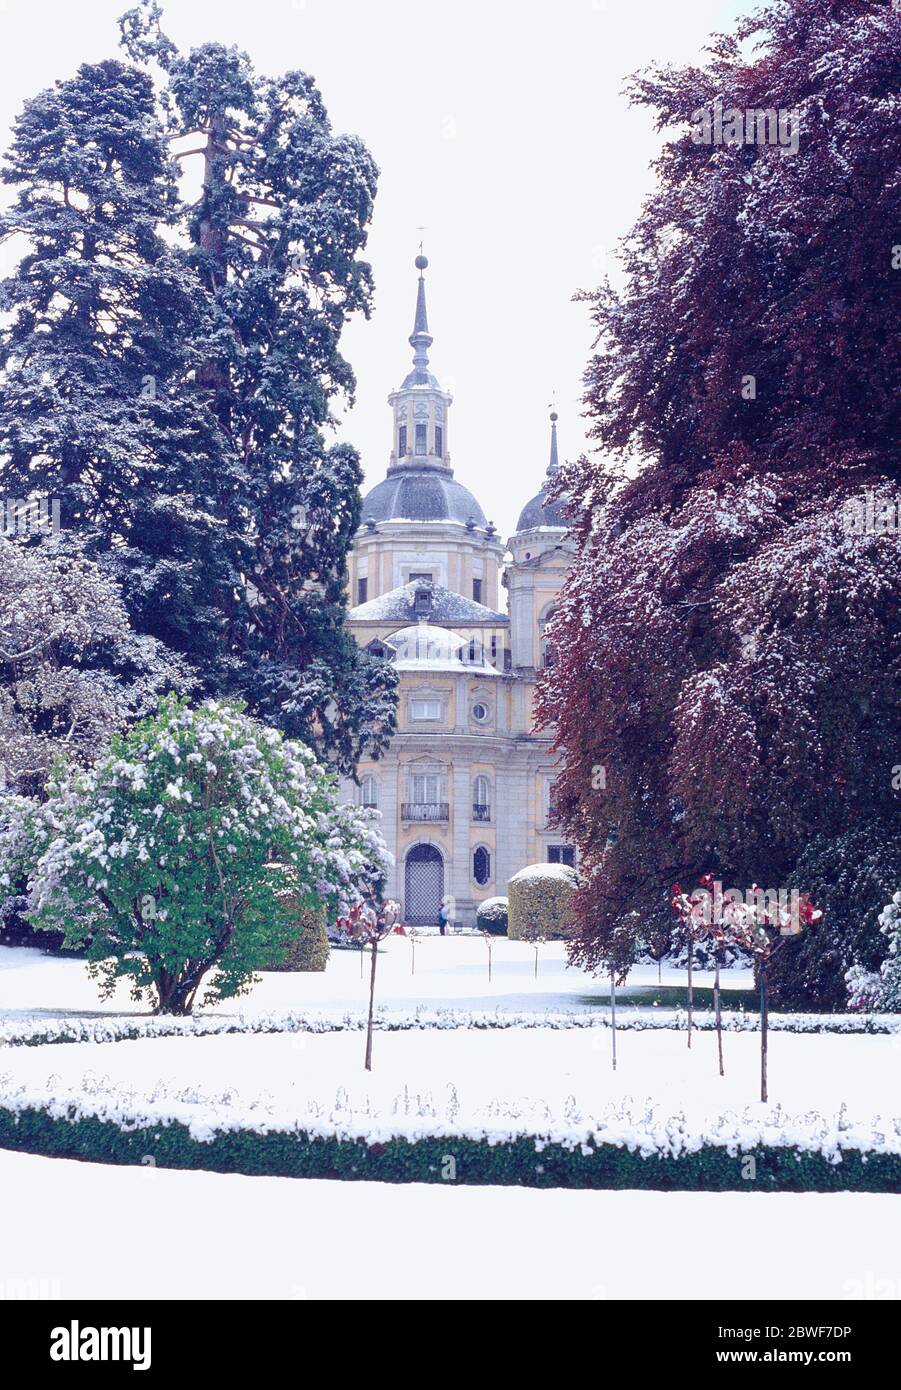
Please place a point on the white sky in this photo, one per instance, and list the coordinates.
(498, 126)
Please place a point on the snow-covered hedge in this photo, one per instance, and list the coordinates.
(619, 1148)
(491, 916)
(35, 1032)
(540, 898)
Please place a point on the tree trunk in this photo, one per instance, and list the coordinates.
(175, 997)
(375, 949)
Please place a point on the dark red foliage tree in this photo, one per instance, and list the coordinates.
(728, 645)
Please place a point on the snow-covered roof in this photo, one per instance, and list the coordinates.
(425, 646)
(399, 605)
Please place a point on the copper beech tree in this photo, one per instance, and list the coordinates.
(728, 643)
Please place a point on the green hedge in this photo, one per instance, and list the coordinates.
(539, 902)
(309, 950)
(515, 1162)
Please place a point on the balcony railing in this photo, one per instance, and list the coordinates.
(480, 811)
(425, 810)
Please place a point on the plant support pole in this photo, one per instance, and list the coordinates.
(763, 1029)
(716, 1007)
(613, 1014)
(375, 948)
(691, 950)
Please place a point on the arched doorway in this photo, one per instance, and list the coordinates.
(424, 886)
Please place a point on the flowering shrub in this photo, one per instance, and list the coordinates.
(186, 849)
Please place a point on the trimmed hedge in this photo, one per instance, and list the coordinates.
(30, 1032)
(309, 951)
(540, 902)
(520, 1162)
(491, 916)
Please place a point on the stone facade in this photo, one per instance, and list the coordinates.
(464, 789)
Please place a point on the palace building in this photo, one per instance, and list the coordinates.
(464, 789)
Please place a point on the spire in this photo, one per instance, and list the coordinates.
(554, 464)
(421, 339)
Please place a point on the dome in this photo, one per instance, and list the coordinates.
(427, 645)
(541, 512)
(422, 495)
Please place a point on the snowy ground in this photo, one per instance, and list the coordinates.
(532, 1079)
(280, 1238)
(450, 972)
(290, 1238)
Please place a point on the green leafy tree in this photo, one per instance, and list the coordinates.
(186, 850)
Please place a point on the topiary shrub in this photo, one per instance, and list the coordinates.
(309, 949)
(539, 902)
(491, 916)
(851, 878)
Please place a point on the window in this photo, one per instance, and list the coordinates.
(494, 646)
(481, 866)
(369, 792)
(422, 602)
(547, 649)
(480, 711)
(439, 441)
(425, 709)
(362, 590)
(426, 788)
(422, 446)
(477, 590)
(561, 854)
(481, 798)
(402, 440)
(418, 577)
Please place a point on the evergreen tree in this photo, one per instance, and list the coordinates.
(167, 368)
(91, 412)
(273, 238)
(94, 412)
